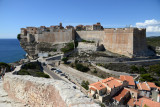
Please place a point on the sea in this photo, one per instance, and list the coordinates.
(11, 51)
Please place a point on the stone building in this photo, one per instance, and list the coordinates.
(69, 27)
(80, 27)
(89, 27)
(106, 89)
(97, 26)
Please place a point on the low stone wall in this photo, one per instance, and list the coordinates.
(41, 92)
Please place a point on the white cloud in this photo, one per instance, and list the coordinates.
(150, 25)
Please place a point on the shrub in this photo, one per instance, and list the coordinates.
(69, 47)
(85, 84)
(54, 50)
(155, 68)
(87, 41)
(42, 74)
(134, 68)
(19, 36)
(31, 65)
(7, 66)
(82, 68)
(146, 77)
(23, 72)
(76, 61)
(65, 59)
(142, 70)
(95, 71)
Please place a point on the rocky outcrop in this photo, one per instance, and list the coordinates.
(40, 92)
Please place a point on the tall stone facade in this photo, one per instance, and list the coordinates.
(125, 41)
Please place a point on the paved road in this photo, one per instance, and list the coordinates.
(51, 73)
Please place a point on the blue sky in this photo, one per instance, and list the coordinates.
(15, 14)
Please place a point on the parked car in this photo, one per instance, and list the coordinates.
(58, 71)
(62, 74)
(53, 69)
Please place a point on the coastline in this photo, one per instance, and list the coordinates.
(11, 51)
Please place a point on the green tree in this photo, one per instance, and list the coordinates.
(85, 84)
(142, 70)
(19, 36)
(65, 59)
(146, 77)
(82, 68)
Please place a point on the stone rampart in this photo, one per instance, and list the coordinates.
(119, 41)
(41, 92)
(91, 35)
(56, 37)
(124, 41)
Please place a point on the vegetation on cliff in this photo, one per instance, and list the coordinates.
(69, 47)
(19, 36)
(5, 65)
(34, 69)
(153, 41)
(87, 41)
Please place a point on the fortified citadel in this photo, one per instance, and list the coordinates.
(124, 41)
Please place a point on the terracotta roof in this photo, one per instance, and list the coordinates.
(131, 102)
(93, 89)
(152, 85)
(127, 78)
(121, 95)
(145, 101)
(98, 85)
(112, 82)
(143, 86)
(131, 89)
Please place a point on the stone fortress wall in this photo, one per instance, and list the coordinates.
(124, 41)
(61, 36)
(41, 92)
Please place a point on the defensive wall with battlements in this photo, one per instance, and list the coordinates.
(124, 41)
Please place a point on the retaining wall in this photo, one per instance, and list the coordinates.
(41, 92)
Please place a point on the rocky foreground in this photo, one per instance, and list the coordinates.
(5, 101)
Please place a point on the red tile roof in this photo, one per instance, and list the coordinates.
(112, 82)
(143, 86)
(98, 85)
(145, 101)
(93, 89)
(127, 78)
(121, 95)
(152, 85)
(131, 89)
(131, 102)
